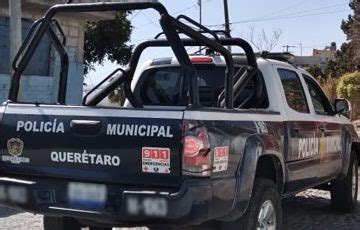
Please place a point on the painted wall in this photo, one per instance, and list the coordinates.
(44, 89)
(41, 80)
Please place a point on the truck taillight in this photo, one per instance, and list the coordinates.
(201, 59)
(196, 157)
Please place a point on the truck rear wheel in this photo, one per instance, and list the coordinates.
(60, 223)
(344, 192)
(264, 211)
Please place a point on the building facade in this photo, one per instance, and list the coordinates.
(319, 58)
(41, 78)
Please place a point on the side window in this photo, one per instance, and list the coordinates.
(246, 99)
(321, 104)
(161, 86)
(293, 89)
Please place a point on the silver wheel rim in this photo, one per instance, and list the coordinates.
(267, 216)
(354, 182)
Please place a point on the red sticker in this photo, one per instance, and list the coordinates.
(221, 158)
(155, 160)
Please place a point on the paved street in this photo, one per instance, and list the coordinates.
(308, 210)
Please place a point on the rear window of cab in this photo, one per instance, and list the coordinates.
(167, 86)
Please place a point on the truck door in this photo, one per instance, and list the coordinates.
(302, 156)
(328, 129)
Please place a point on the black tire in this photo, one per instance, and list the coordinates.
(264, 191)
(100, 228)
(60, 223)
(179, 228)
(344, 191)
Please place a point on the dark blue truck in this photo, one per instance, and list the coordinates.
(209, 141)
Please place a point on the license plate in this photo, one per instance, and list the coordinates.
(87, 195)
(148, 206)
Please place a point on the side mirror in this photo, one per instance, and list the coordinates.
(342, 106)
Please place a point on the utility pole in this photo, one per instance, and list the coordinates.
(200, 11)
(200, 17)
(227, 21)
(288, 47)
(226, 13)
(301, 53)
(15, 29)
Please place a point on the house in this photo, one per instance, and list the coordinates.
(319, 58)
(40, 80)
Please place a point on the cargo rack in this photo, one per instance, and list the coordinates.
(171, 27)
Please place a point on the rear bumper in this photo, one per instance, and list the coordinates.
(196, 201)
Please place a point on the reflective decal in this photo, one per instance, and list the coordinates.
(221, 158)
(314, 146)
(40, 127)
(333, 143)
(138, 130)
(261, 127)
(85, 158)
(308, 147)
(155, 160)
(15, 147)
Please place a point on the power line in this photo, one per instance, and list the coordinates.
(288, 47)
(310, 10)
(287, 16)
(288, 8)
(136, 14)
(294, 16)
(185, 9)
(276, 13)
(150, 19)
(176, 12)
(284, 15)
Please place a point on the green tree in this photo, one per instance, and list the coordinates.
(315, 71)
(344, 62)
(108, 40)
(349, 88)
(329, 86)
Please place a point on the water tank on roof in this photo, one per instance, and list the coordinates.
(333, 46)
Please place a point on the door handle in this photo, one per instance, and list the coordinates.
(321, 128)
(85, 127)
(296, 128)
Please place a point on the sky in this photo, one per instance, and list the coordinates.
(310, 24)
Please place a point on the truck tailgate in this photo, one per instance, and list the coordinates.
(130, 146)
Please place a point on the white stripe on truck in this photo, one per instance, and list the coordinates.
(93, 112)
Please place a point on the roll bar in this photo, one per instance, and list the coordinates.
(251, 70)
(171, 29)
(169, 25)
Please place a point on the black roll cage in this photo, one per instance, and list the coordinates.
(171, 29)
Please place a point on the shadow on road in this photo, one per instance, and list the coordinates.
(313, 212)
(6, 212)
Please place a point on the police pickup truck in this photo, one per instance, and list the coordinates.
(209, 141)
